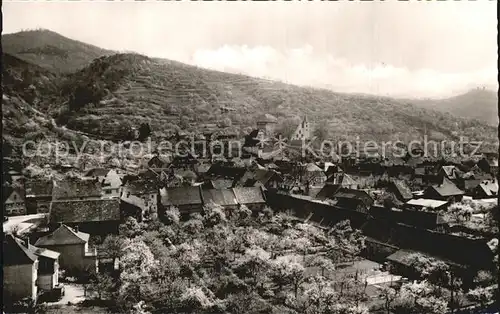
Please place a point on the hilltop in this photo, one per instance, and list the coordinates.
(478, 103)
(51, 50)
(115, 92)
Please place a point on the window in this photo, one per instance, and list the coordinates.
(108, 191)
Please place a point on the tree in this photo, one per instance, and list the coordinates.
(144, 131)
(172, 216)
(226, 122)
(323, 263)
(101, 284)
(131, 228)
(319, 295)
(287, 127)
(419, 297)
(113, 246)
(254, 264)
(213, 214)
(389, 294)
(482, 295)
(322, 132)
(288, 270)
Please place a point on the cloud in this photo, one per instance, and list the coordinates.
(303, 66)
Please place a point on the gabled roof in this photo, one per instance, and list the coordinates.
(489, 188)
(402, 189)
(451, 171)
(189, 195)
(9, 191)
(249, 195)
(15, 253)
(85, 210)
(74, 188)
(263, 176)
(327, 192)
(471, 184)
(36, 188)
(352, 194)
(220, 197)
(97, 172)
(62, 236)
(447, 188)
(163, 161)
(342, 179)
(312, 167)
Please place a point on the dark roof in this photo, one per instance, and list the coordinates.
(7, 192)
(261, 176)
(15, 253)
(405, 257)
(402, 189)
(249, 195)
(188, 195)
(74, 188)
(159, 160)
(328, 191)
(38, 188)
(352, 194)
(218, 171)
(97, 172)
(62, 236)
(471, 184)
(221, 197)
(85, 210)
(142, 186)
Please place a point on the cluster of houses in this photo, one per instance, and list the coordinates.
(95, 204)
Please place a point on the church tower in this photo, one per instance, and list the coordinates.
(303, 131)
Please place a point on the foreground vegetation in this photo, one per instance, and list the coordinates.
(217, 262)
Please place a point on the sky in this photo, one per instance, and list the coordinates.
(403, 49)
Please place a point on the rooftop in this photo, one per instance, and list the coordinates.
(85, 210)
(62, 236)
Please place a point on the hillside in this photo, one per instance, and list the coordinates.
(51, 50)
(116, 92)
(133, 89)
(481, 104)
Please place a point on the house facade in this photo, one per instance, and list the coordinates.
(144, 194)
(20, 271)
(38, 196)
(14, 204)
(73, 248)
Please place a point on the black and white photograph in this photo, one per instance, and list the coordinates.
(250, 157)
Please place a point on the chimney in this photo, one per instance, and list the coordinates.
(27, 242)
(76, 228)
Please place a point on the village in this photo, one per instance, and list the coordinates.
(404, 208)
